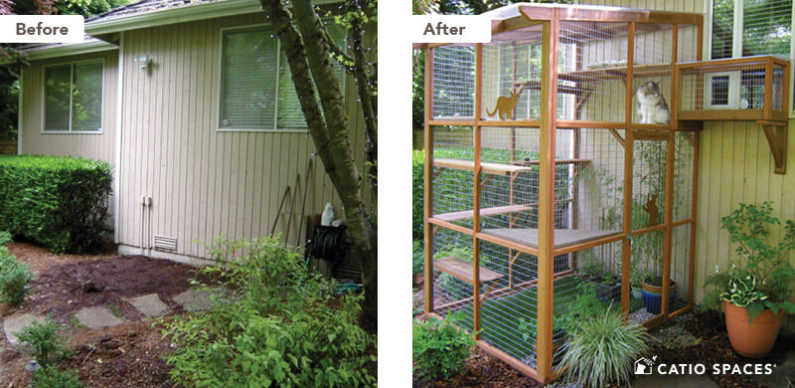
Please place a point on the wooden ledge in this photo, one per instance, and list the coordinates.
(485, 212)
(462, 270)
(487, 167)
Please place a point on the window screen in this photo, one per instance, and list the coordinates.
(722, 26)
(249, 79)
(767, 27)
(73, 97)
(254, 73)
(56, 95)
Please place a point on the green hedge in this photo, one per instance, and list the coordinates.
(417, 170)
(59, 202)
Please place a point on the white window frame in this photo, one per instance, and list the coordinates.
(69, 130)
(280, 54)
(737, 41)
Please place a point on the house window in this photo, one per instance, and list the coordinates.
(742, 28)
(257, 92)
(73, 97)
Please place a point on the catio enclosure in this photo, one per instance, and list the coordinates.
(542, 181)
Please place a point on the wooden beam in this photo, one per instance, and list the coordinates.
(668, 217)
(477, 189)
(618, 137)
(427, 178)
(626, 251)
(693, 209)
(546, 197)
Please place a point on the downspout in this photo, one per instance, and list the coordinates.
(117, 155)
(19, 110)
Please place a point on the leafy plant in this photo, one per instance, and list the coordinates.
(765, 280)
(5, 237)
(440, 348)
(417, 258)
(14, 278)
(602, 350)
(284, 327)
(592, 268)
(52, 377)
(585, 306)
(47, 348)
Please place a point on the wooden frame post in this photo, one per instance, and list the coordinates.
(546, 198)
(476, 199)
(428, 176)
(626, 244)
(668, 221)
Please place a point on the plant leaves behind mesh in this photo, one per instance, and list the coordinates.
(602, 350)
(59, 202)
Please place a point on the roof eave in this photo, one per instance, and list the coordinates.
(179, 15)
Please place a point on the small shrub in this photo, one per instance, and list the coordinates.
(52, 377)
(418, 186)
(59, 202)
(46, 346)
(286, 327)
(602, 350)
(440, 348)
(5, 237)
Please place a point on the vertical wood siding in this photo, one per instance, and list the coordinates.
(94, 146)
(735, 166)
(206, 183)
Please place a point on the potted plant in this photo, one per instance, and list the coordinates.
(648, 248)
(607, 284)
(754, 293)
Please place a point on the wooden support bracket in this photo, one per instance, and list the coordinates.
(618, 137)
(776, 134)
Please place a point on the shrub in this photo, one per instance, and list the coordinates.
(602, 350)
(59, 202)
(14, 277)
(440, 348)
(417, 258)
(52, 377)
(5, 237)
(47, 348)
(286, 327)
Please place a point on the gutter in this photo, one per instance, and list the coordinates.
(178, 15)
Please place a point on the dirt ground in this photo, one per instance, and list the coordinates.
(127, 355)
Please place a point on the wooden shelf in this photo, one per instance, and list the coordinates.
(485, 212)
(563, 237)
(463, 271)
(620, 73)
(488, 168)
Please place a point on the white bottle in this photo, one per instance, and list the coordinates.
(328, 215)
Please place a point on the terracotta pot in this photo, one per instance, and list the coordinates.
(755, 339)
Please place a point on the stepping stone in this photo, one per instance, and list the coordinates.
(196, 300)
(150, 305)
(14, 324)
(97, 317)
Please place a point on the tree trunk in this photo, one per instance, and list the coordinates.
(308, 57)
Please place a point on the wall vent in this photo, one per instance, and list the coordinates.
(165, 243)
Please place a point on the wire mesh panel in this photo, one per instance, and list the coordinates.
(592, 71)
(452, 288)
(652, 73)
(597, 187)
(680, 265)
(452, 179)
(646, 274)
(684, 157)
(687, 46)
(648, 180)
(512, 75)
(453, 82)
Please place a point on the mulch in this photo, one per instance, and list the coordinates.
(128, 355)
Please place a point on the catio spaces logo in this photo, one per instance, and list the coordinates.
(645, 366)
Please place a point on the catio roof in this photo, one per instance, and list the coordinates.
(146, 6)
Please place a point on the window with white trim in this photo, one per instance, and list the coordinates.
(73, 97)
(743, 28)
(257, 92)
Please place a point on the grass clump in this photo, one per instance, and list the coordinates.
(284, 327)
(440, 348)
(601, 350)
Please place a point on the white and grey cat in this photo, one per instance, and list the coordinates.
(651, 104)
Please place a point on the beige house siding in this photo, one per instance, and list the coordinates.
(95, 145)
(204, 183)
(735, 166)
